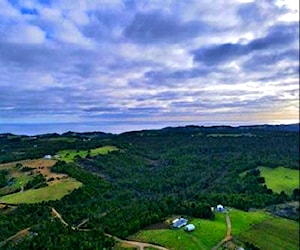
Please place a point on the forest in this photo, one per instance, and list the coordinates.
(152, 175)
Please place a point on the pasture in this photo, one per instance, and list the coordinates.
(273, 234)
(207, 233)
(229, 135)
(59, 185)
(51, 192)
(69, 155)
(280, 178)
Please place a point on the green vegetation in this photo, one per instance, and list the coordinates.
(207, 233)
(103, 150)
(241, 221)
(229, 135)
(53, 192)
(63, 139)
(3, 179)
(281, 179)
(154, 175)
(273, 234)
(15, 181)
(70, 155)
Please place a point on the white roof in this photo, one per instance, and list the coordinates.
(174, 221)
(189, 227)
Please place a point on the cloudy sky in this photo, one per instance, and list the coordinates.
(147, 62)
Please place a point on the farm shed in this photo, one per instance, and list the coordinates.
(220, 208)
(179, 222)
(189, 228)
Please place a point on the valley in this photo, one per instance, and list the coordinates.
(113, 190)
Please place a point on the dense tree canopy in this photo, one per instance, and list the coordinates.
(153, 175)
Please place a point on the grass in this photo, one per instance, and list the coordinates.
(103, 150)
(273, 234)
(52, 192)
(207, 233)
(281, 179)
(20, 178)
(64, 139)
(69, 155)
(229, 135)
(241, 221)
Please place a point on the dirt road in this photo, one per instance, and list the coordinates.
(57, 214)
(19, 235)
(140, 245)
(228, 236)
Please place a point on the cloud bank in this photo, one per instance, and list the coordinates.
(142, 62)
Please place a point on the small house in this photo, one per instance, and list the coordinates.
(189, 227)
(220, 208)
(179, 222)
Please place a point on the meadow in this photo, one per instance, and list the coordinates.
(51, 192)
(69, 155)
(207, 233)
(273, 234)
(59, 185)
(280, 178)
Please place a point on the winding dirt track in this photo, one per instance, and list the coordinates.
(21, 234)
(228, 236)
(140, 245)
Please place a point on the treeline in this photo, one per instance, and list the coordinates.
(155, 174)
(13, 148)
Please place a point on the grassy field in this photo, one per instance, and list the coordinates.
(59, 185)
(229, 135)
(273, 234)
(51, 192)
(207, 233)
(241, 221)
(20, 179)
(69, 155)
(280, 178)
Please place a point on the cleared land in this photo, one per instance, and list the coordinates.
(52, 192)
(280, 178)
(69, 155)
(207, 233)
(59, 185)
(229, 135)
(273, 234)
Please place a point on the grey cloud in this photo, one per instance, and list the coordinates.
(178, 74)
(279, 36)
(258, 12)
(260, 102)
(259, 61)
(156, 27)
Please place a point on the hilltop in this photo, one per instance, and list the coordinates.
(118, 185)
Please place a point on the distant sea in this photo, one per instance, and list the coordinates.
(115, 128)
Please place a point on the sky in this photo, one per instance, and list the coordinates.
(149, 63)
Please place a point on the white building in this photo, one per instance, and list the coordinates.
(220, 208)
(178, 223)
(189, 228)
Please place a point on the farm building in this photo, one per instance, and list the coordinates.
(179, 222)
(189, 228)
(220, 208)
